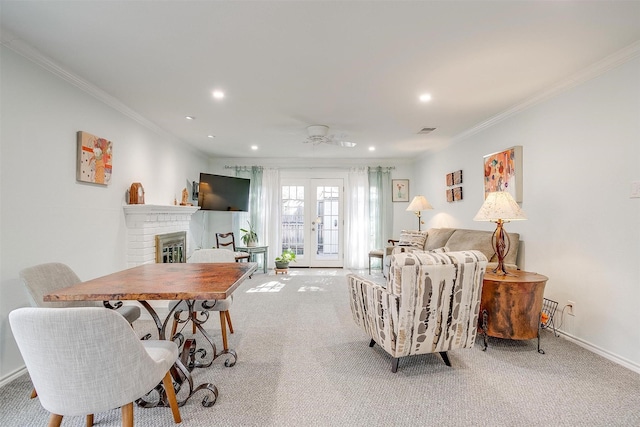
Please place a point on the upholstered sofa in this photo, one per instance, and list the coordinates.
(430, 303)
(454, 239)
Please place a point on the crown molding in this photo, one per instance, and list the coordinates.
(27, 51)
(607, 64)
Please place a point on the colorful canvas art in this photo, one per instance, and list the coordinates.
(95, 155)
(503, 172)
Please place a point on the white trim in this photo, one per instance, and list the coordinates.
(12, 376)
(607, 64)
(24, 49)
(602, 352)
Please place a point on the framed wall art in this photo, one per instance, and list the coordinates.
(503, 172)
(94, 161)
(399, 190)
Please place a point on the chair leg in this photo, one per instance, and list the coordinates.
(174, 328)
(228, 316)
(445, 357)
(372, 343)
(369, 266)
(223, 327)
(34, 394)
(90, 420)
(394, 364)
(171, 395)
(127, 415)
(55, 420)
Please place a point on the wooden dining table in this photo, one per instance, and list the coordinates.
(174, 282)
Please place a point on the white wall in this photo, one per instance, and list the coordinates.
(581, 153)
(45, 214)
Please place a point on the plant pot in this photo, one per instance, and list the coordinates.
(252, 244)
(281, 265)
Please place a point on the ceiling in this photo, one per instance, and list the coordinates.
(355, 66)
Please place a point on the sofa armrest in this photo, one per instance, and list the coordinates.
(375, 310)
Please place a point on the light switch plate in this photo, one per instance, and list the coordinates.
(635, 189)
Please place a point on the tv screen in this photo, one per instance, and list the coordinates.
(223, 193)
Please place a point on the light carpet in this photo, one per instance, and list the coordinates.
(302, 361)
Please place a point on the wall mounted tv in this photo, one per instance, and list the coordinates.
(223, 193)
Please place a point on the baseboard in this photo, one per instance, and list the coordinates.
(12, 376)
(601, 352)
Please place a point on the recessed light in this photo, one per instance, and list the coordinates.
(190, 118)
(372, 148)
(211, 136)
(425, 97)
(218, 94)
(254, 147)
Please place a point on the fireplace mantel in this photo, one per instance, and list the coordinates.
(146, 209)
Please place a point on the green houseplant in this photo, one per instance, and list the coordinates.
(249, 238)
(287, 256)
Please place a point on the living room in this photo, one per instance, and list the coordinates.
(570, 131)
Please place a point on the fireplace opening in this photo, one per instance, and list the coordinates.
(171, 247)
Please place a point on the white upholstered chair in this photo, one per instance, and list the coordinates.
(84, 360)
(430, 304)
(43, 279)
(222, 306)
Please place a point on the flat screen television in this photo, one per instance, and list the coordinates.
(223, 193)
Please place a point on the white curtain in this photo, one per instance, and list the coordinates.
(357, 230)
(380, 207)
(270, 213)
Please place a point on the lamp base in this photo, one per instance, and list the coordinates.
(501, 244)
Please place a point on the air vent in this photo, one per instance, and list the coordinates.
(425, 131)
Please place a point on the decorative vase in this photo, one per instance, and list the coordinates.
(252, 244)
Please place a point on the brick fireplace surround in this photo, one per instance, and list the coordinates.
(144, 222)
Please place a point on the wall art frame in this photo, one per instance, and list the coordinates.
(399, 190)
(94, 163)
(503, 172)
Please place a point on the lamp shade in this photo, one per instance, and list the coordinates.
(419, 203)
(499, 205)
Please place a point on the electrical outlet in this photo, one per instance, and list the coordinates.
(571, 306)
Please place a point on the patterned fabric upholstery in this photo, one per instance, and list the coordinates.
(431, 302)
(412, 238)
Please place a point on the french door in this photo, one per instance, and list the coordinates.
(312, 222)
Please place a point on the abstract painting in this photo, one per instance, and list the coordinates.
(503, 172)
(95, 155)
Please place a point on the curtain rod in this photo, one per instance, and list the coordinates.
(248, 168)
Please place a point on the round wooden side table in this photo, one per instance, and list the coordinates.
(511, 305)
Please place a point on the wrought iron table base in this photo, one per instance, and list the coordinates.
(181, 371)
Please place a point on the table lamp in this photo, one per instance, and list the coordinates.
(499, 207)
(419, 203)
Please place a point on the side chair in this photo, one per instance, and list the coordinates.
(222, 306)
(84, 360)
(224, 240)
(42, 279)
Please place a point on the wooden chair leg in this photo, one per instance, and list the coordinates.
(90, 420)
(223, 327)
(127, 415)
(34, 394)
(55, 420)
(174, 328)
(226, 314)
(171, 395)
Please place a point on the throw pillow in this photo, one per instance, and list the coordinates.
(412, 238)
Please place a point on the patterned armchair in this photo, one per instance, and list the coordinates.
(430, 304)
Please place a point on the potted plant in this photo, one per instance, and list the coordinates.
(287, 256)
(249, 238)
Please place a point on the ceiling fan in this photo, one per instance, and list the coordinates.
(318, 134)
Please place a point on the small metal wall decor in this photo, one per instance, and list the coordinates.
(454, 178)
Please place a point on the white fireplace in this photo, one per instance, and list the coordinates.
(145, 222)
